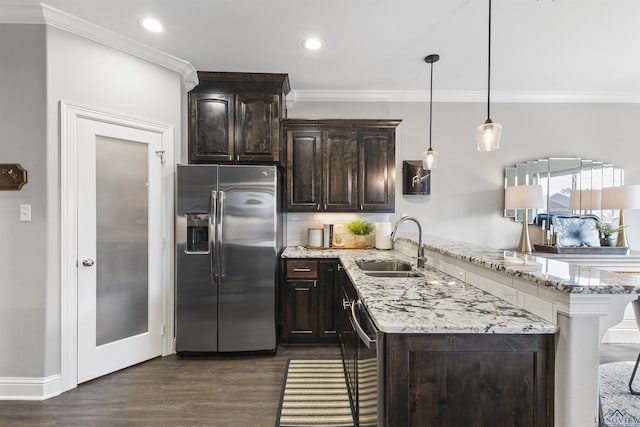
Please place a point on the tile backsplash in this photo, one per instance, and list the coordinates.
(299, 223)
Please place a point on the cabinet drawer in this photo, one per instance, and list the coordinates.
(302, 269)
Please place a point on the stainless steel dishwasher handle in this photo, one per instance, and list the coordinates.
(356, 326)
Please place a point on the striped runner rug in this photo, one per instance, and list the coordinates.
(314, 394)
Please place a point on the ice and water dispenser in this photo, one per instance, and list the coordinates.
(197, 233)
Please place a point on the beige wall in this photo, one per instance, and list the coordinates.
(467, 195)
(23, 253)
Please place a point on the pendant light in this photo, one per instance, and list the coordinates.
(488, 134)
(430, 157)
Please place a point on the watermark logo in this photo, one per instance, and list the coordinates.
(620, 418)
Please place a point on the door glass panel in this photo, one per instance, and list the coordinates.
(121, 239)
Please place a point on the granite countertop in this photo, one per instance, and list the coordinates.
(435, 303)
(542, 269)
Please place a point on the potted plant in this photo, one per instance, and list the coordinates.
(607, 230)
(359, 229)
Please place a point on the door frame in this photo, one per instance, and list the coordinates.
(70, 114)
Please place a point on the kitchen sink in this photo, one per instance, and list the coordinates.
(393, 274)
(390, 268)
(384, 266)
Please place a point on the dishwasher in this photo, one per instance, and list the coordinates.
(365, 401)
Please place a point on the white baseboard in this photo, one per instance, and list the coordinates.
(25, 388)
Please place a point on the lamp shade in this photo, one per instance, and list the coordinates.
(585, 200)
(623, 197)
(523, 197)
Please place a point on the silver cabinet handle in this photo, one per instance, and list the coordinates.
(88, 262)
(302, 270)
(346, 303)
(318, 207)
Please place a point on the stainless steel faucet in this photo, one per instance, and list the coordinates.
(394, 237)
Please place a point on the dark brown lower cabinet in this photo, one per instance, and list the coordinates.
(308, 311)
(467, 380)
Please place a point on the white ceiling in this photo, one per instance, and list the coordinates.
(561, 48)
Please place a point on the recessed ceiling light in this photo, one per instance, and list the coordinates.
(312, 43)
(152, 25)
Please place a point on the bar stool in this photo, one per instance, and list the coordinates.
(636, 311)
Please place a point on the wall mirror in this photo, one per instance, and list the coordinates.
(570, 185)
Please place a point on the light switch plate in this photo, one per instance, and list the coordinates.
(25, 213)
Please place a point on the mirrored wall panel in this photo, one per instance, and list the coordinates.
(570, 185)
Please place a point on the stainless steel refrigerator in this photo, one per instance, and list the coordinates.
(228, 239)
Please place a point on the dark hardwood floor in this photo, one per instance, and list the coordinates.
(172, 391)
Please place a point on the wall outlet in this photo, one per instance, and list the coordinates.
(509, 295)
(25, 213)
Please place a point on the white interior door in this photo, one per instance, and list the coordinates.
(119, 269)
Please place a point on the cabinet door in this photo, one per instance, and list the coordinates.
(304, 170)
(300, 310)
(327, 271)
(257, 133)
(211, 135)
(377, 170)
(340, 176)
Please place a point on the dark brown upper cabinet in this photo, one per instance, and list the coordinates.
(304, 169)
(237, 117)
(340, 171)
(340, 165)
(377, 163)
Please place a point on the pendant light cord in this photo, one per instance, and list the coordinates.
(489, 68)
(430, 105)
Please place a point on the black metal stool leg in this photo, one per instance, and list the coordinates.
(633, 374)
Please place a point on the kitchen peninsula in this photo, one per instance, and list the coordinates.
(449, 353)
(577, 302)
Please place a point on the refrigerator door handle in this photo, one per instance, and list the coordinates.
(212, 239)
(219, 234)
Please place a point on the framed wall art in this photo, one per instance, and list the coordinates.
(12, 176)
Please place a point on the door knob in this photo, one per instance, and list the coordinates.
(88, 262)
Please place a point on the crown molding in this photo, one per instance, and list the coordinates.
(462, 96)
(41, 13)
(21, 13)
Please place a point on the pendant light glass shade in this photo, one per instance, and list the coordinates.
(429, 159)
(488, 136)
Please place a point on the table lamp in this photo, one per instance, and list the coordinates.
(623, 197)
(524, 197)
